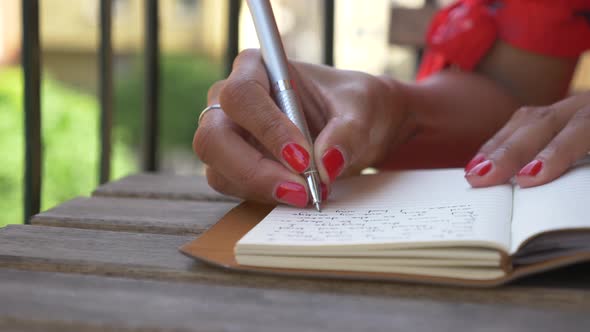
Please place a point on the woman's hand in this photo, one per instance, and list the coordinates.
(537, 145)
(253, 151)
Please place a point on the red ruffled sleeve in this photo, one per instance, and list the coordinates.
(461, 34)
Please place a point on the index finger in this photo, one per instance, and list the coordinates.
(246, 99)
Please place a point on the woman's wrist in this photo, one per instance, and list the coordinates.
(399, 101)
(454, 113)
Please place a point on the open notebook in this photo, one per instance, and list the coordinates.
(423, 225)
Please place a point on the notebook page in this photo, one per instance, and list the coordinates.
(394, 208)
(558, 205)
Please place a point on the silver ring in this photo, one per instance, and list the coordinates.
(207, 109)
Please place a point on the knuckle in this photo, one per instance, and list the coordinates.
(552, 150)
(581, 117)
(558, 151)
(361, 143)
(247, 54)
(525, 111)
(272, 131)
(195, 140)
(365, 125)
(214, 89)
(501, 151)
(510, 152)
(358, 125)
(545, 113)
(247, 175)
(217, 183)
(371, 85)
(235, 93)
(374, 89)
(548, 114)
(357, 88)
(202, 142)
(489, 145)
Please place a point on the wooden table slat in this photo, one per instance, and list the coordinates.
(134, 215)
(163, 186)
(112, 264)
(154, 256)
(90, 302)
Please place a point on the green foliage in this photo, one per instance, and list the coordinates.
(184, 84)
(70, 152)
(70, 129)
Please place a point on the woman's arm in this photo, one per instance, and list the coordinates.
(508, 117)
(456, 112)
(253, 151)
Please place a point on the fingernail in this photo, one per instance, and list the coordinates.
(333, 162)
(473, 162)
(324, 190)
(296, 156)
(292, 193)
(531, 169)
(481, 169)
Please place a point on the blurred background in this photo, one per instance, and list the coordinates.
(193, 42)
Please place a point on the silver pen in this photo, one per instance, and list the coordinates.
(275, 61)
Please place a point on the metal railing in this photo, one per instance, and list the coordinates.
(31, 63)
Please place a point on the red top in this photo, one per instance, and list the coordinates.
(462, 33)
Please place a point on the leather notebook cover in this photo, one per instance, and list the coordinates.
(216, 247)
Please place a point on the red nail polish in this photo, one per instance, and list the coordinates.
(473, 162)
(531, 169)
(296, 156)
(333, 162)
(292, 193)
(324, 190)
(482, 168)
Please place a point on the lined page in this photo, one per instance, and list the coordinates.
(424, 207)
(558, 205)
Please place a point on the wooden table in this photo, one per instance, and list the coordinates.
(110, 263)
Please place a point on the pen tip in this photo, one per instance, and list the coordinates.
(317, 207)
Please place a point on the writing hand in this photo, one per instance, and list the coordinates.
(253, 151)
(536, 145)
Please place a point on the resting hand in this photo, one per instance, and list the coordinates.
(253, 151)
(537, 145)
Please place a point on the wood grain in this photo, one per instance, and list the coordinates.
(135, 215)
(62, 302)
(408, 26)
(152, 256)
(162, 186)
